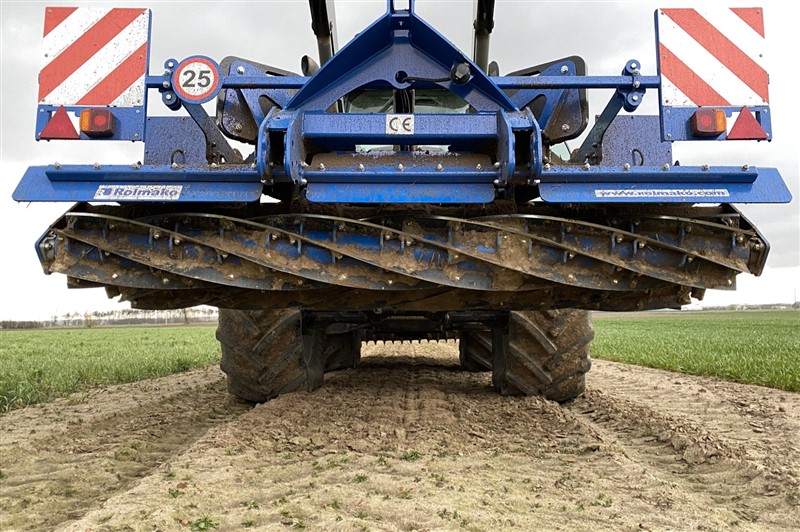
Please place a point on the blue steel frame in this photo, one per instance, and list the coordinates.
(400, 51)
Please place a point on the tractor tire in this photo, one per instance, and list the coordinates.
(263, 353)
(548, 354)
(473, 354)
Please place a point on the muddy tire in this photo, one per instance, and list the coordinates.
(475, 351)
(264, 353)
(548, 354)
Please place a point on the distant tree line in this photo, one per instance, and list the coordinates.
(121, 317)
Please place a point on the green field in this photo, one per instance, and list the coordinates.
(756, 347)
(40, 365)
(751, 346)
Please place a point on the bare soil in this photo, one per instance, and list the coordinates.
(407, 442)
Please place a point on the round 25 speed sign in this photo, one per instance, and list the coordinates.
(196, 79)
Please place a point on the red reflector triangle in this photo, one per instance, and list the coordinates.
(747, 127)
(59, 127)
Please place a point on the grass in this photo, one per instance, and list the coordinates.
(41, 365)
(750, 346)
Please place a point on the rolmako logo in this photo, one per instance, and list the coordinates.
(138, 192)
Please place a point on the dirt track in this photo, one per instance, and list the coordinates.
(407, 442)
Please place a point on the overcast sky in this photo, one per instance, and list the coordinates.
(605, 34)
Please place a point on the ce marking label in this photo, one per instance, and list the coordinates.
(399, 124)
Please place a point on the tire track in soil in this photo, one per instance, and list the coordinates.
(410, 442)
(692, 433)
(81, 454)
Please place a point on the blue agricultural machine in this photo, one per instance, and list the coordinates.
(401, 189)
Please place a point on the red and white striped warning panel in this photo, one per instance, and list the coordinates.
(712, 57)
(94, 56)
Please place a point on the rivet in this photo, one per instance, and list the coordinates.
(360, 167)
(496, 182)
(618, 239)
(156, 235)
(168, 97)
(478, 167)
(390, 282)
(165, 280)
(174, 166)
(165, 84)
(587, 166)
(626, 167)
(757, 247)
(240, 70)
(114, 275)
(321, 166)
(564, 127)
(564, 69)
(97, 166)
(746, 167)
(665, 167)
(400, 167)
(57, 165)
(496, 165)
(730, 282)
(615, 281)
(214, 165)
(230, 276)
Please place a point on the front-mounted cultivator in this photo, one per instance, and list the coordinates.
(419, 193)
